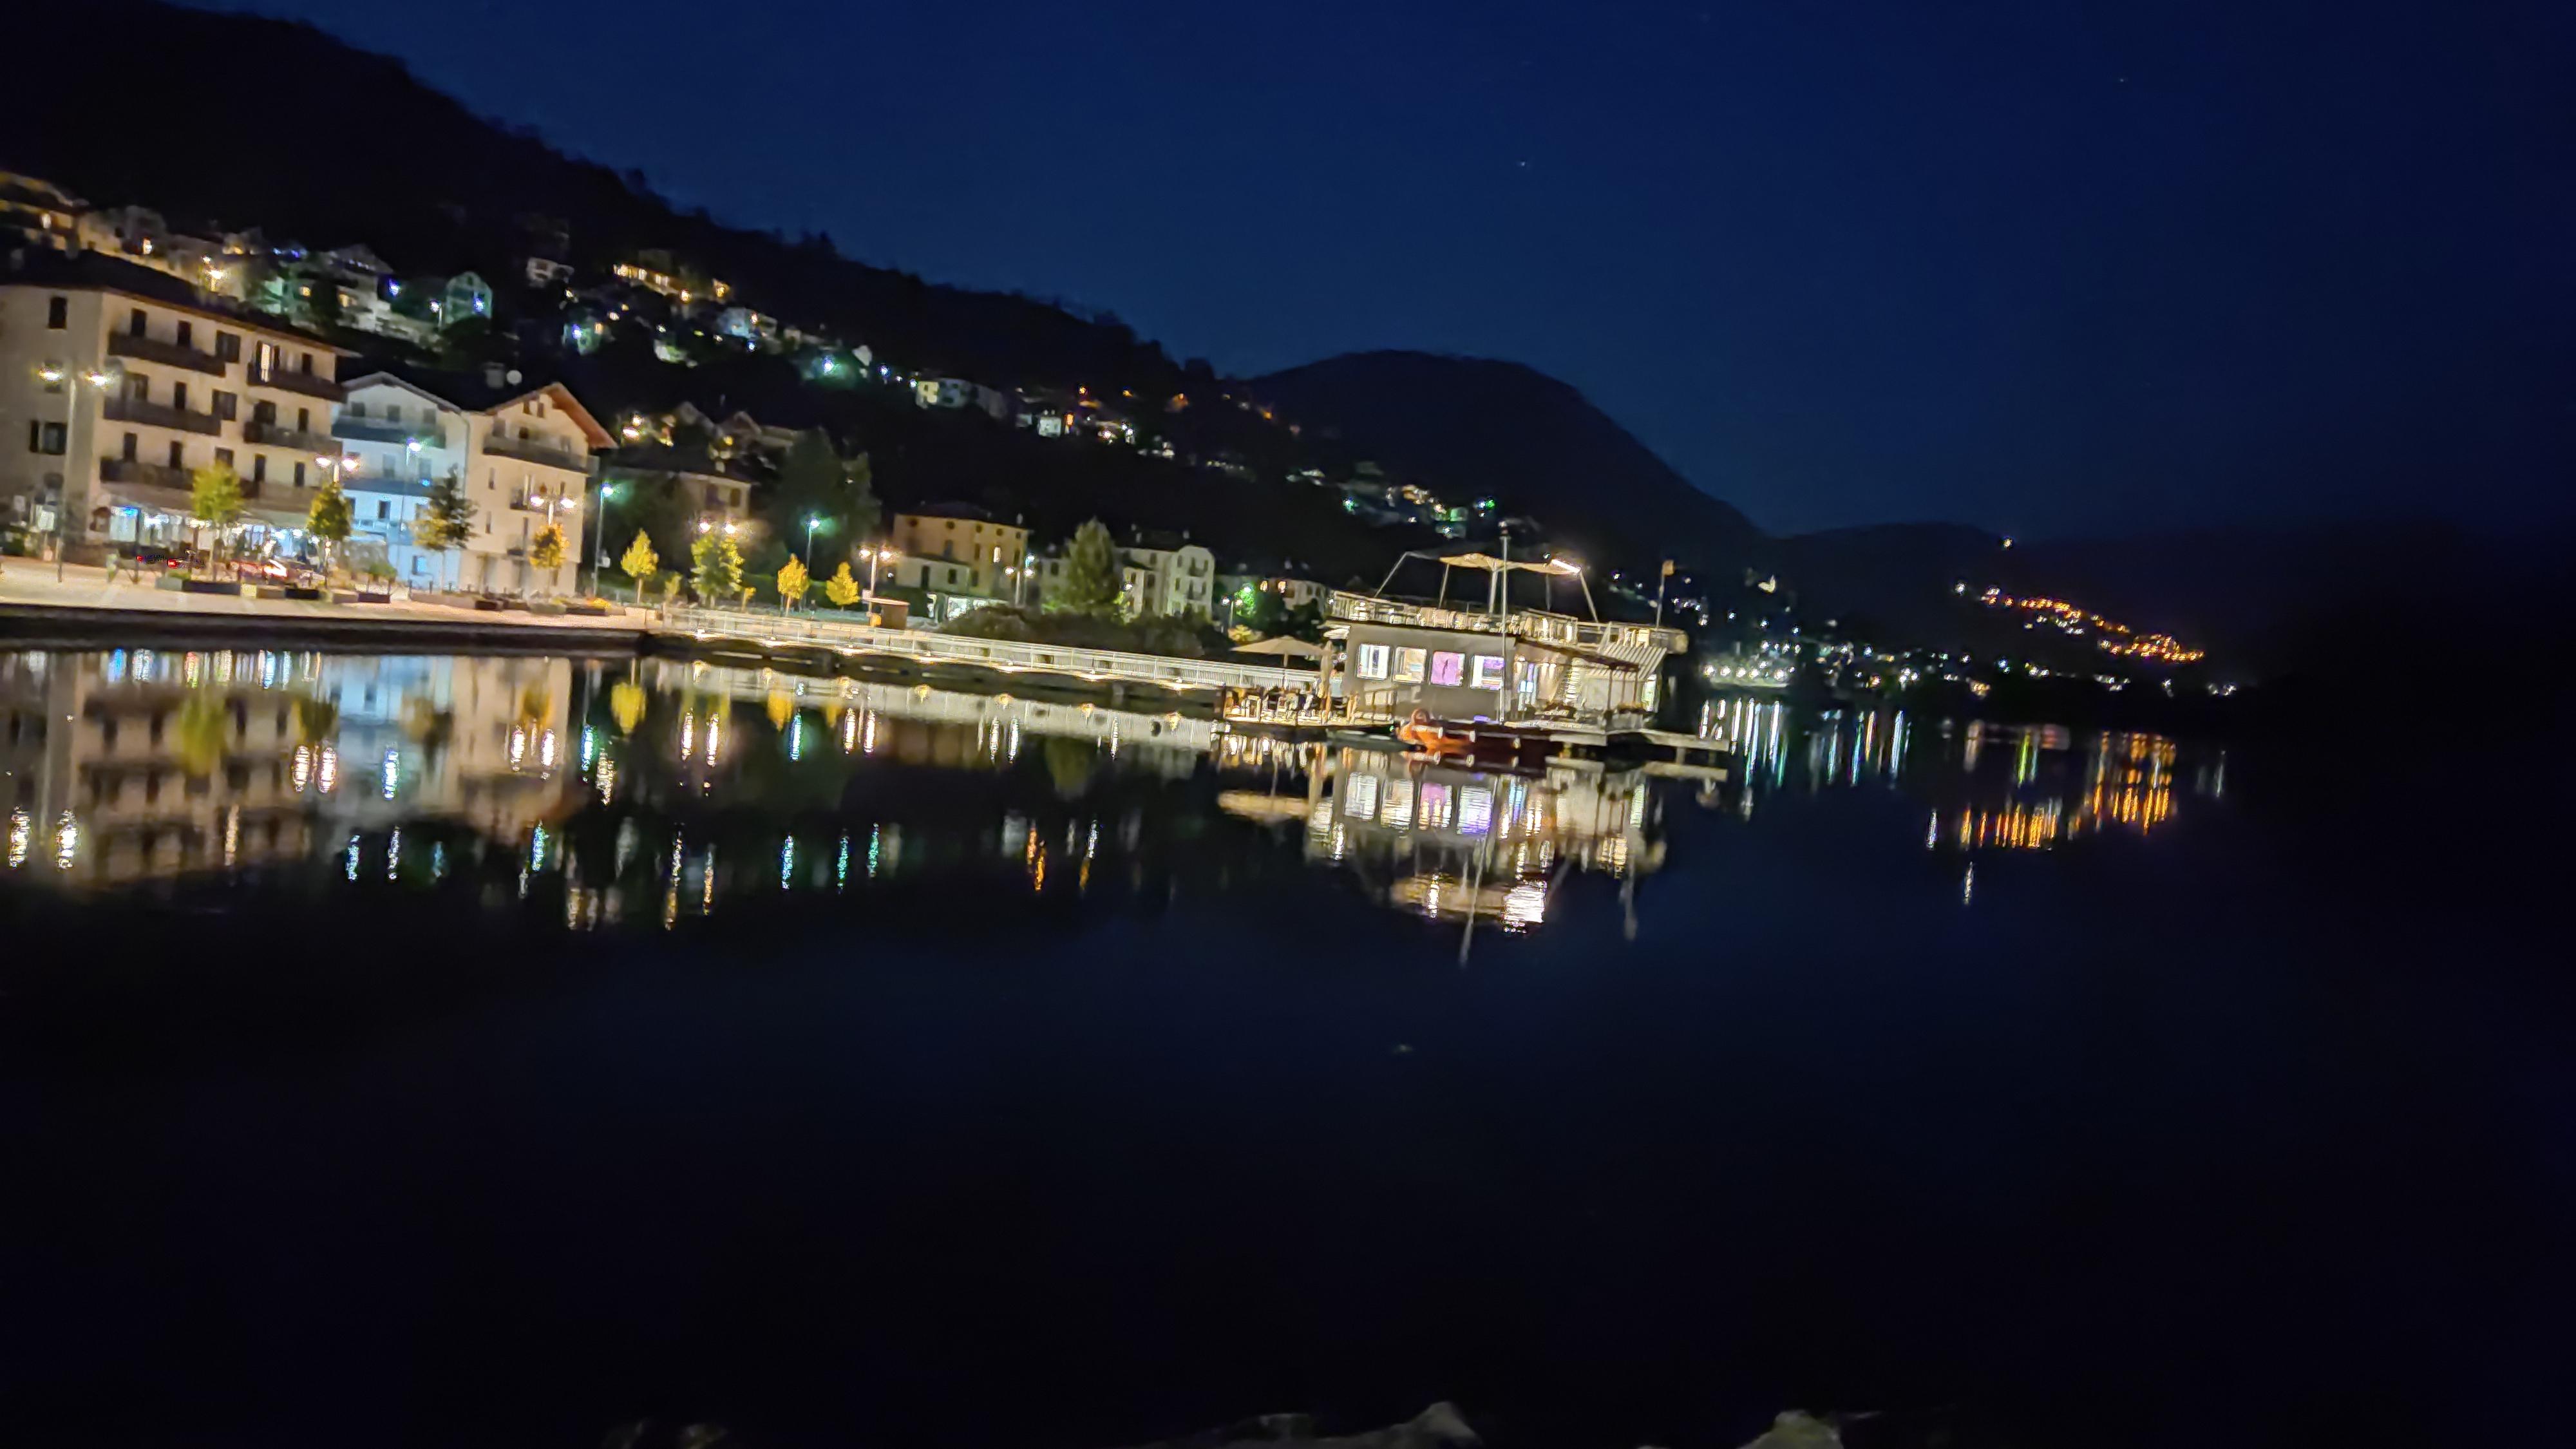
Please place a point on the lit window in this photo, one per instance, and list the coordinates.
(1373, 661)
(1447, 667)
(1359, 798)
(1489, 671)
(1409, 664)
(1398, 808)
(1436, 805)
(1475, 810)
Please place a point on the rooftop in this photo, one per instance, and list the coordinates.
(98, 272)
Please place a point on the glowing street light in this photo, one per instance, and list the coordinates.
(58, 375)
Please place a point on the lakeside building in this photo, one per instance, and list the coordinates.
(962, 556)
(1169, 575)
(522, 453)
(116, 381)
(717, 488)
(1160, 576)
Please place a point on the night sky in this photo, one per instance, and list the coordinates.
(1839, 263)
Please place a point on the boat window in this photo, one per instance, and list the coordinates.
(1359, 799)
(1372, 661)
(1448, 667)
(1436, 806)
(1398, 809)
(1475, 810)
(1489, 671)
(1409, 663)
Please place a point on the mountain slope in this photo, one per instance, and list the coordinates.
(122, 111)
(1476, 428)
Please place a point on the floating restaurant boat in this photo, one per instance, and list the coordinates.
(1497, 685)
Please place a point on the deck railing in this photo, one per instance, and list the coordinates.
(1004, 654)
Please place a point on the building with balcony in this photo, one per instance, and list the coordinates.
(958, 549)
(35, 212)
(1162, 574)
(523, 453)
(117, 382)
(711, 488)
(1169, 575)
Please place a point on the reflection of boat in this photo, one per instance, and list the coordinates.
(1452, 838)
(1430, 739)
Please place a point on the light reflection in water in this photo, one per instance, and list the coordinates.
(468, 777)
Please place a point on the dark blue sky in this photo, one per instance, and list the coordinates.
(2018, 265)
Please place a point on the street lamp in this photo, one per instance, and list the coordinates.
(812, 521)
(70, 380)
(599, 533)
(876, 553)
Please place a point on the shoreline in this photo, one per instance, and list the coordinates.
(83, 609)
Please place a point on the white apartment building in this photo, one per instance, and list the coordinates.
(523, 453)
(117, 381)
(1175, 580)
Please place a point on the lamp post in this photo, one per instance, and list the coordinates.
(812, 522)
(598, 550)
(70, 380)
(875, 553)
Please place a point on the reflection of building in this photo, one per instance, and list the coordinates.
(146, 764)
(1455, 842)
(481, 740)
(142, 765)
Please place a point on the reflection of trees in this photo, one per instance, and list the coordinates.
(199, 746)
(316, 719)
(626, 706)
(1069, 762)
(1063, 819)
(429, 727)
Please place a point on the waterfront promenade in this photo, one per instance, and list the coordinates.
(85, 600)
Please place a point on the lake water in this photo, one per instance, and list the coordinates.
(496, 1050)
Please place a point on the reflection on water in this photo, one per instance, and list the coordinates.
(1988, 786)
(643, 793)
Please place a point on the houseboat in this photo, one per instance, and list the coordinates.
(1491, 674)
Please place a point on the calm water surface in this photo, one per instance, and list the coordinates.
(442, 1050)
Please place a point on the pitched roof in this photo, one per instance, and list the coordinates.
(484, 392)
(98, 272)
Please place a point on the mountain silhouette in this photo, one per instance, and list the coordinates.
(1470, 428)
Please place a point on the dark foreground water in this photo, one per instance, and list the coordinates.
(441, 1051)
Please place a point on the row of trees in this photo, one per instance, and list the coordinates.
(446, 520)
(716, 573)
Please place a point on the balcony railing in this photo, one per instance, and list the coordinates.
(133, 473)
(307, 384)
(536, 450)
(278, 435)
(153, 349)
(386, 430)
(160, 415)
